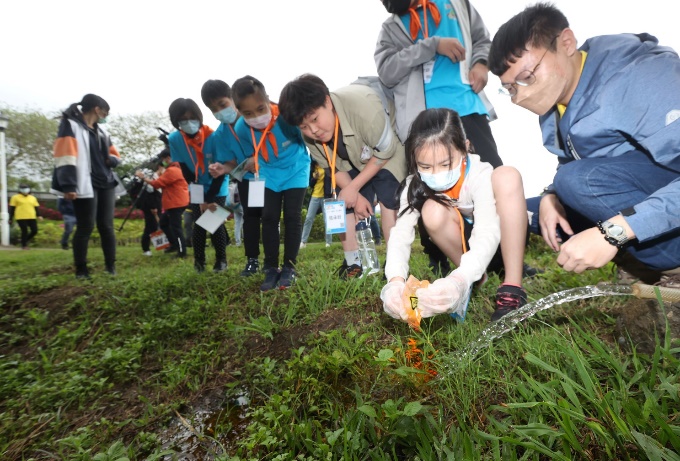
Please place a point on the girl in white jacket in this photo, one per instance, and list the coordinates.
(466, 206)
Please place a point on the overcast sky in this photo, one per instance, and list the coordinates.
(141, 55)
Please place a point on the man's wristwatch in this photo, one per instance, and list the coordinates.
(613, 233)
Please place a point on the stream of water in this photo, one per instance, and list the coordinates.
(510, 321)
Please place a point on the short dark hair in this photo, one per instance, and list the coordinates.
(214, 89)
(180, 106)
(302, 96)
(245, 86)
(537, 26)
(398, 7)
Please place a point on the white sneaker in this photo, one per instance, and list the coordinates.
(147, 253)
(303, 244)
(327, 245)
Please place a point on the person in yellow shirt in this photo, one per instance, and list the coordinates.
(23, 208)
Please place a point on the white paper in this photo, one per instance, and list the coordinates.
(212, 220)
(255, 193)
(196, 193)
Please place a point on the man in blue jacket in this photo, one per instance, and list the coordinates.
(609, 111)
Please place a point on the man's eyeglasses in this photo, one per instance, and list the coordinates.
(524, 78)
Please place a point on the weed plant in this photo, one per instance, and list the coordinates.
(160, 362)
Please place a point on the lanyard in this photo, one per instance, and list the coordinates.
(195, 163)
(233, 132)
(265, 133)
(331, 162)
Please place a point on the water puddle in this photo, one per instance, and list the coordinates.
(510, 321)
(207, 432)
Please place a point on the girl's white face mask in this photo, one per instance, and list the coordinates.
(260, 122)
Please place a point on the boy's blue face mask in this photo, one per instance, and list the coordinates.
(227, 115)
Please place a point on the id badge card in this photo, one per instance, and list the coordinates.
(335, 215)
(256, 193)
(428, 70)
(196, 193)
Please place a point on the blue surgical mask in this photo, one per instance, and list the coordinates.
(227, 115)
(190, 127)
(102, 120)
(442, 181)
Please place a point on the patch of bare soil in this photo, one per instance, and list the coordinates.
(640, 321)
(293, 337)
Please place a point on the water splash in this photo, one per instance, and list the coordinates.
(510, 321)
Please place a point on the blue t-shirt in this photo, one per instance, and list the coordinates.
(287, 170)
(445, 87)
(182, 153)
(228, 148)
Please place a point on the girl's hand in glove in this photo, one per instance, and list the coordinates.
(391, 298)
(443, 296)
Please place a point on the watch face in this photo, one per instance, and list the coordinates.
(615, 231)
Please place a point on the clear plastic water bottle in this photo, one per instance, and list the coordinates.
(369, 256)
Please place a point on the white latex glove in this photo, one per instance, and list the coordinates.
(391, 298)
(444, 296)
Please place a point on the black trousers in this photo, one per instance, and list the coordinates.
(29, 227)
(171, 224)
(220, 239)
(291, 202)
(150, 225)
(252, 222)
(89, 211)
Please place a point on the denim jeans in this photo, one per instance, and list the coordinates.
(598, 188)
(238, 223)
(69, 224)
(89, 211)
(314, 204)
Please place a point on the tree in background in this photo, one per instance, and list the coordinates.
(29, 140)
(136, 137)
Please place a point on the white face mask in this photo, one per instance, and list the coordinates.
(25, 191)
(442, 181)
(260, 122)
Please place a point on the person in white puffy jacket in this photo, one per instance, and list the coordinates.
(466, 206)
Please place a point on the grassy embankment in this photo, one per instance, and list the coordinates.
(151, 364)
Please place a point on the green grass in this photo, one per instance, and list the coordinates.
(150, 364)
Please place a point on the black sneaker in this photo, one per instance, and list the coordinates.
(82, 273)
(508, 299)
(347, 272)
(64, 246)
(111, 269)
(287, 278)
(199, 266)
(252, 268)
(220, 266)
(271, 278)
(171, 249)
